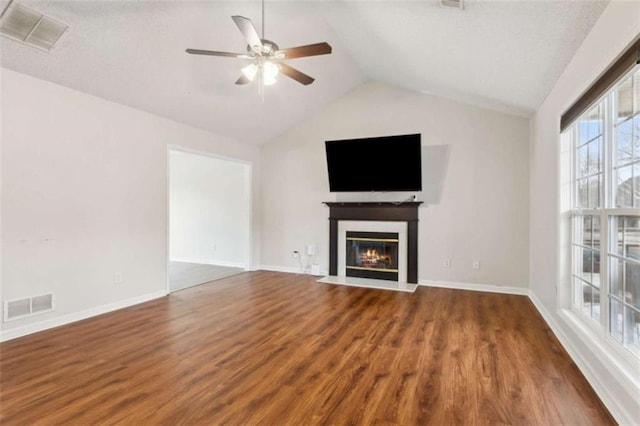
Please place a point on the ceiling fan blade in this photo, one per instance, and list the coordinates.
(308, 50)
(248, 30)
(213, 53)
(243, 80)
(293, 73)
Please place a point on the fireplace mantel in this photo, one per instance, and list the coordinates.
(376, 211)
(401, 212)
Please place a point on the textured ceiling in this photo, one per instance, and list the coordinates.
(504, 55)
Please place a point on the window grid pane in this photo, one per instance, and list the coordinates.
(631, 330)
(625, 240)
(615, 319)
(586, 265)
(624, 281)
(626, 143)
(589, 156)
(636, 136)
(624, 104)
(624, 325)
(636, 92)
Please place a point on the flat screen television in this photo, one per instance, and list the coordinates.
(389, 163)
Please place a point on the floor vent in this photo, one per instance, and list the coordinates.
(20, 308)
(28, 26)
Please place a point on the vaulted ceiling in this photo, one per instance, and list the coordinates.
(504, 55)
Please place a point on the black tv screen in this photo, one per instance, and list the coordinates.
(389, 163)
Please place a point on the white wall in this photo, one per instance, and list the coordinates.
(84, 195)
(476, 183)
(208, 214)
(618, 25)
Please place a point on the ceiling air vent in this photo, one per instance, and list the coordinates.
(31, 27)
(458, 4)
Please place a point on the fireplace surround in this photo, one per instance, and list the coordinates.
(405, 213)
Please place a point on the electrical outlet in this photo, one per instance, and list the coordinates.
(475, 264)
(117, 277)
(295, 254)
(447, 263)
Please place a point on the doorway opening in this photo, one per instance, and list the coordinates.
(209, 218)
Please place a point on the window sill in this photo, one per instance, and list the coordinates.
(624, 367)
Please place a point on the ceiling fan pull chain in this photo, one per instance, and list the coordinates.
(261, 85)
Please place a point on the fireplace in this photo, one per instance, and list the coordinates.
(372, 255)
(386, 221)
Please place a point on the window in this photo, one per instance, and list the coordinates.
(605, 239)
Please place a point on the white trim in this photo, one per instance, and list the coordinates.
(592, 375)
(167, 208)
(209, 262)
(14, 333)
(288, 269)
(523, 291)
(248, 194)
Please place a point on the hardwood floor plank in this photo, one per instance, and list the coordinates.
(274, 348)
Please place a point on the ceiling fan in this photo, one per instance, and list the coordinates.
(266, 56)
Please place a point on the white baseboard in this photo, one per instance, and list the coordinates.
(428, 283)
(288, 269)
(14, 333)
(476, 287)
(609, 399)
(208, 262)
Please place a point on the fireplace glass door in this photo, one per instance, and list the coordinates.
(372, 255)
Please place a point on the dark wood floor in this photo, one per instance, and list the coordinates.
(271, 348)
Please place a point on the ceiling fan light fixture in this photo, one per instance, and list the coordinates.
(268, 81)
(250, 71)
(270, 71)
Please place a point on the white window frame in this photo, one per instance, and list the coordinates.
(605, 212)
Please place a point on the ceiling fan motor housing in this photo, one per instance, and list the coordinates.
(268, 48)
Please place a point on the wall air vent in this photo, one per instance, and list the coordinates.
(458, 4)
(41, 303)
(31, 27)
(21, 308)
(17, 309)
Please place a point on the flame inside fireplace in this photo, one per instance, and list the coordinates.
(370, 258)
